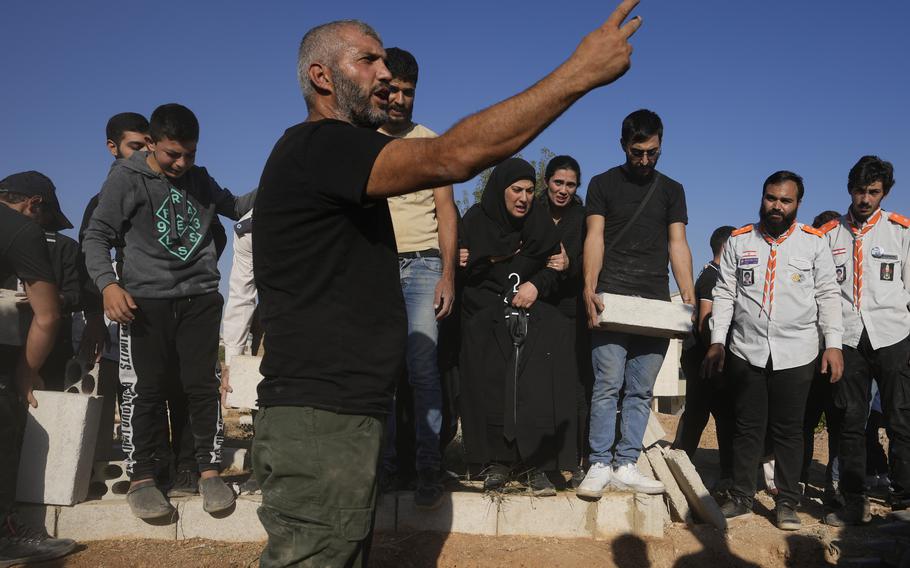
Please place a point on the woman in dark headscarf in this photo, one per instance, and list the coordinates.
(515, 417)
(562, 177)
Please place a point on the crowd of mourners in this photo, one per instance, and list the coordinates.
(390, 319)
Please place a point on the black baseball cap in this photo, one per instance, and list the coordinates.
(33, 183)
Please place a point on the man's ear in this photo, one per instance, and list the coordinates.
(112, 147)
(321, 77)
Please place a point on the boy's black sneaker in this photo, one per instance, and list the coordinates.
(22, 544)
(186, 484)
(786, 517)
(735, 508)
(429, 491)
(496, 478)
(540, 485)
(578, 475)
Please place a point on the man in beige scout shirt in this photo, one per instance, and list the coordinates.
(425, 231)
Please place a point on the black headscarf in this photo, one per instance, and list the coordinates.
(491, 231)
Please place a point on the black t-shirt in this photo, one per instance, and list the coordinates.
(23, 251)
(704, 286)
(637, 265)
(326, 268)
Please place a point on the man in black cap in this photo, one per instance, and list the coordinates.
(25, 197)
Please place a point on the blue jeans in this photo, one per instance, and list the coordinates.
(629, 363)
(419, 277)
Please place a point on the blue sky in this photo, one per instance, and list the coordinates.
(744, 88)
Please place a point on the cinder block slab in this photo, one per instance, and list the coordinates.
(58, 447)
(667, 382)
(109, 480)
(615, 515)
(642, 316)
(468, 513)
(561, 516)
(650, 515)
(654, 432)
(39, 516)
(386, 512)
(101, 520)
(696, 493)
(244, 378)
(239, 525)
(679, 507)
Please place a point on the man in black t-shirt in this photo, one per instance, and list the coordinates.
(326, 269)
(705, 396)
(23, 254)
(631, 262)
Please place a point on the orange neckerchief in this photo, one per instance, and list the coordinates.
(767, 297)
(858, 234)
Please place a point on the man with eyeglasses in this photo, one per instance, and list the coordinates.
(632, 261)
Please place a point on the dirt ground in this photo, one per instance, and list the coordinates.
(748, 542)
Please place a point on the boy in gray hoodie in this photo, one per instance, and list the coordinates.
(161, 206)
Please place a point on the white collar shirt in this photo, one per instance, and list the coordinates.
(805, 298)
(885, 295)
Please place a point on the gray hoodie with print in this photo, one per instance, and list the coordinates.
(164, 223)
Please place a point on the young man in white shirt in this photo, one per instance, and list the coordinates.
(871, 250)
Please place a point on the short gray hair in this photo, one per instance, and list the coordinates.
(321, 45)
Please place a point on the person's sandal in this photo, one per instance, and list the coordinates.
(216, 495)
(147, 502)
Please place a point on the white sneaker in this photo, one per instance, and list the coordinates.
(597, 478)
(627, 477)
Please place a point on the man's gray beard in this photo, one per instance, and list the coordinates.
(354, 103)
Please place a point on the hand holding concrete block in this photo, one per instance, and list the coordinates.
(641, 316)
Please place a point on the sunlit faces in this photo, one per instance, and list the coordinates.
(172, 158)
(779, 205)
(866, 200)
(401, 101)
(361, 80)
(519, 196)
(131, 142)
(561, 187)
(641, 157)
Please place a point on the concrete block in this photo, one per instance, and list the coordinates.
(667, 382)
(241, 524)
(654, 432)
(564, 516)
(102, 520)
(469, 513)
(39, 516)
(58, 447)
(109, 480)
(642, 316)
(236, 459)
(14, 322)
(615, 515)
(386, 512)
(700, 500)
(679, 507)
(650, 514)
(244, 378)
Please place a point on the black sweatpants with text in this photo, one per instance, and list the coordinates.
(170, 340)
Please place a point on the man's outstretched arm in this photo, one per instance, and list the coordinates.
(491, 135)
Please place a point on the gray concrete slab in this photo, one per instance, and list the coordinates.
(239, 525)
(650, 515)
(679, 507)
(468, 513)
(700, 500)
(642, 316)
(244, 378)
(100, 520)
(615, 515)
(563, 516)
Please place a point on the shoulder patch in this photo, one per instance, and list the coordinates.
(741, 231)
(813, 231)
(829, 226)
(899, 219)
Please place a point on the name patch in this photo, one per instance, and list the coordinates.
(748, 260)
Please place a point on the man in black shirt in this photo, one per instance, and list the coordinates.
(631, 262)
(326, 269)
(706, 396)
(23, 254)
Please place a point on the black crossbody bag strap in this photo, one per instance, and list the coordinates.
(634, 217)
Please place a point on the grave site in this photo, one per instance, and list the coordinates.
(72, 481)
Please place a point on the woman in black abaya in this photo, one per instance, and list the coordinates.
(517, 419)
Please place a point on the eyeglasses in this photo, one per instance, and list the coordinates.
(639, 153)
